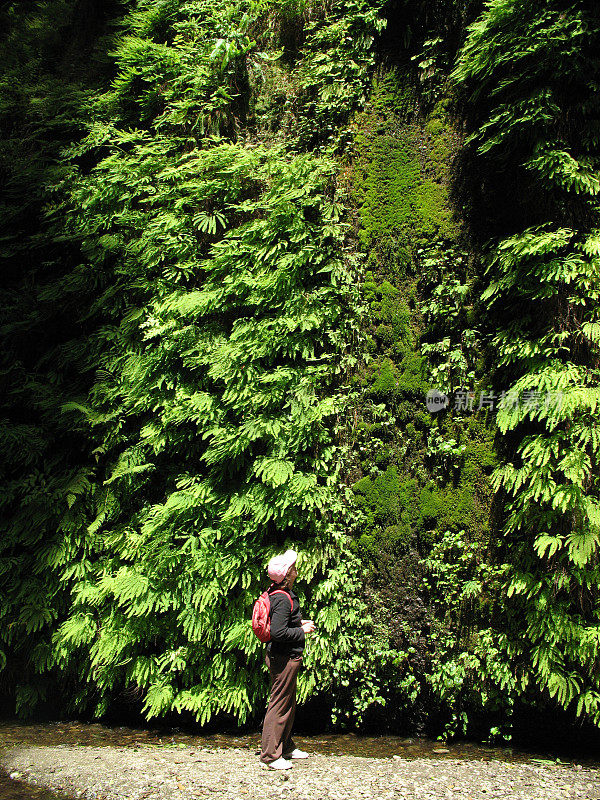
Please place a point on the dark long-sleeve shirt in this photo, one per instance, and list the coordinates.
(287, 636)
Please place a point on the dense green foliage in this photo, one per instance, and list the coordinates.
(207, 263)
(48, 352)
(423, 480)
(241, 240)
(529, 72)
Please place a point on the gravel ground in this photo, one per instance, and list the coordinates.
(154, 773)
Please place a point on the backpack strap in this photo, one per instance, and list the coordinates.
(282, 591)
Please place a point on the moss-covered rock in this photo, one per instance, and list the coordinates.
(402, 173)
(387, 501)
(424, 477)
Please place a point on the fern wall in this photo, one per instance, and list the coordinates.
(242, 241)
(200, 223)
(537, 130)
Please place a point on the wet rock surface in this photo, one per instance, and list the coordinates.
(154, 773)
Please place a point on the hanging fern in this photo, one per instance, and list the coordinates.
(210, 268)
(528, 74)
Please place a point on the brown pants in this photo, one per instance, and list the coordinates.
(279, 719)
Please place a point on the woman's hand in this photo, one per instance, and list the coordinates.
(308, 625)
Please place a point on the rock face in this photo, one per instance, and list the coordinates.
(113, 773)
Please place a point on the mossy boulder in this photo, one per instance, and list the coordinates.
(411, 376)
(403, 171)
(387, 501)
(383, 380)
(463, 503)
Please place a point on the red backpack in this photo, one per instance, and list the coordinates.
(261, 614)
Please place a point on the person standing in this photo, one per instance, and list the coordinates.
(284, 659)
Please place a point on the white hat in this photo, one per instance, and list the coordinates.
(278, 566)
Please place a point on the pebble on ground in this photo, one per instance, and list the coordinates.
(155, 773)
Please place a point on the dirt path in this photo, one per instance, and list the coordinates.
(153, 773)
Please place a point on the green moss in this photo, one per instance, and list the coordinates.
(369, 287)
(378, 431)
(411, 431)
(395, 536)
(371, 345)
(387, 290)
(432, 502)
(392, 96)
(364, 487)
(466, 504)
(387, 496)
(383, 456)
(434, 126)
(402, 171)
(424, 419)
(401, 181)
(480, 459)
(411, 378)
(398, 368)
(395, 310)
(386, 334)
(387, 490)
(383, 380)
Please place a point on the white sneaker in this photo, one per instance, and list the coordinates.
(280, 763)
(296, 754)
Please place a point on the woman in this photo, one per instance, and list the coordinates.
(283, 658)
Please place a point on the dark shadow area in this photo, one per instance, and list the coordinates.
(15, 789)
(411, 23)
(53, 56)
(554, 731)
